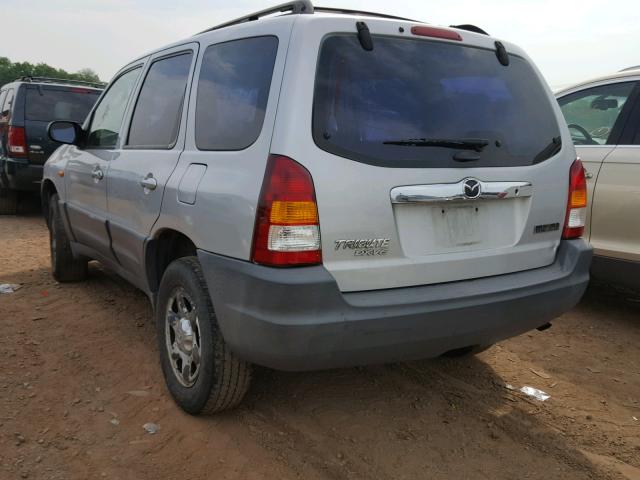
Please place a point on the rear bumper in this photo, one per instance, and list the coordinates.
(297, 319)
(20, 175)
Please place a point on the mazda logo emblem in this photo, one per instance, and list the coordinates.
(472, 188)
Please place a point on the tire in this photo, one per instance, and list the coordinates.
(214, 378)
(64, 266)
(8, 201)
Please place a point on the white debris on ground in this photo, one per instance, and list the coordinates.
(151, 428)
(535, 393)
(8, 287)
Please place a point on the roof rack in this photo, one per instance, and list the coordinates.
(636, 67)
(296, 7)
(364, 13)
(31, 79)
(470, 28)
(302, 7)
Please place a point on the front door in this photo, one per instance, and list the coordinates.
(152, 147)
(86, 170)
(616, 229)
(596, 116)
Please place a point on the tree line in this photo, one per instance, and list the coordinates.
(9, 71)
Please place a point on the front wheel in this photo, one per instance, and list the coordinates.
(64, 266)
(201, 372)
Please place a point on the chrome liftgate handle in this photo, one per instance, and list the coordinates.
(467, 189)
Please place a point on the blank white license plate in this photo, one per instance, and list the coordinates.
(463, 224)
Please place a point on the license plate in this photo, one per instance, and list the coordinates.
(463, 224)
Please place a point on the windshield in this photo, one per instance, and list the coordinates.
(47, 104)
(394, 105)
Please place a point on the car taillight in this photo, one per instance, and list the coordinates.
(287, 229)
(577, 202)
(17, 142)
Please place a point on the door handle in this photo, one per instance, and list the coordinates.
(97, 174)
(148, 182)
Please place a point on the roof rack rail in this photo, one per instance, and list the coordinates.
(364, 13)
(470, 28)
(636, 67)
(295, 7)
(30, 79)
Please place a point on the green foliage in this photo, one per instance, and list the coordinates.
(9, 71)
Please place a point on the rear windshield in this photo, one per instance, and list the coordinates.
(48, 104)
(413, 102)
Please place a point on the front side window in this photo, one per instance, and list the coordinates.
(233, 90)
(45, 104)
(157, 115)
(421, 103)
(592, 113)
(108, 115)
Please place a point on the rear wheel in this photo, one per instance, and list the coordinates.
(64, 267)
(8, 201)
(201, 372)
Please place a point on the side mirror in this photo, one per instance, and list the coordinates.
(65, 132)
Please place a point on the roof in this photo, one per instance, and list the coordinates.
(304, 8)
(622, 74)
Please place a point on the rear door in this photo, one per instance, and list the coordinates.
(432, 161)
(86, 169)
(615, 230)
(154, 142)
(45, 103)
(596, 115)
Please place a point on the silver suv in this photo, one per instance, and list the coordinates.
(323, 188)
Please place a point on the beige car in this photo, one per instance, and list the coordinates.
(604, 119)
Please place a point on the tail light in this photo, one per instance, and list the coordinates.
(17, 142)
(577, 203)
(287, 229)
(436, 33)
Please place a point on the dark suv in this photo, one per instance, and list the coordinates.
(26, 108)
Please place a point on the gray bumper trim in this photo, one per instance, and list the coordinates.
(297, 319)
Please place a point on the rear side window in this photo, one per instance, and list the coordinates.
(3, 95)
(592, 113)
(156, 119)
(6, 107)
(413, 102)
(45, 104)
(233, 90)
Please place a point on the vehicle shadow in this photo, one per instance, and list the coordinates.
(435, 419)
(440, 418)
(29, 204)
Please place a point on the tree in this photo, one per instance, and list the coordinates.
(9, 71)
(87, 75)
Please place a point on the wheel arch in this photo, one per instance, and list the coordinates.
(47, 190)
(166, 246)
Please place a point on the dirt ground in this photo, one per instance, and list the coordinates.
(80, 376)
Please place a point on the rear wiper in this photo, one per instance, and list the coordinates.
(476, 144)
(549, 151)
